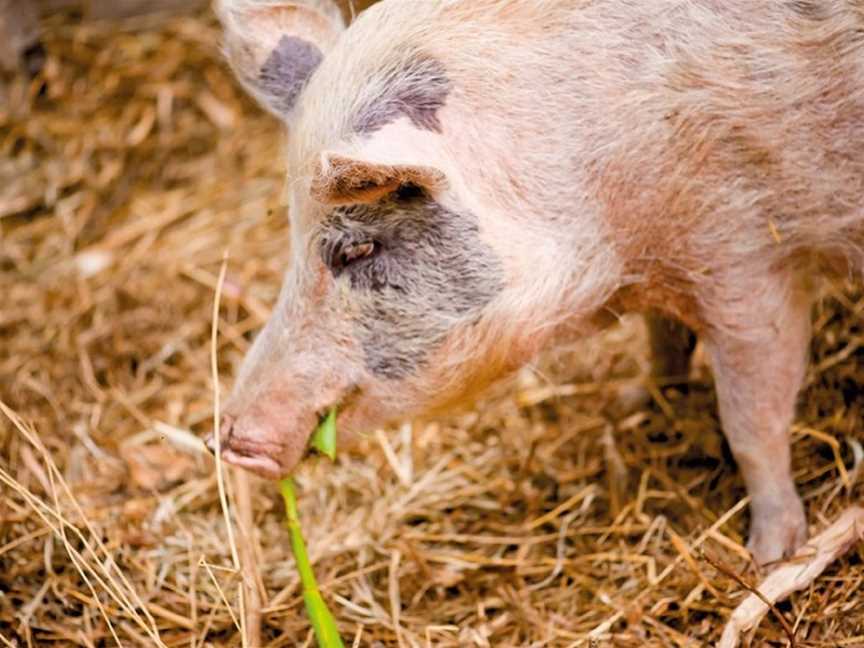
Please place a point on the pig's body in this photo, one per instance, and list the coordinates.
(472, 182)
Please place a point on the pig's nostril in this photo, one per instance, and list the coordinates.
(226, 426)
(226, 429)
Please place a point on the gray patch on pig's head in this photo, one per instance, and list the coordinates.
(430, 273)
(287, 69)
(417, 90)
(811, 9)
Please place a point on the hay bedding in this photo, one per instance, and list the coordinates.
(550, 510)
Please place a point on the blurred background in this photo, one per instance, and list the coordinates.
(577, 498)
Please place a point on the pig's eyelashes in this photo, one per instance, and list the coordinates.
(354, 252)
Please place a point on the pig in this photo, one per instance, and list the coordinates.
(472, 182)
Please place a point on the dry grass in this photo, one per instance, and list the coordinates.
(542, 516)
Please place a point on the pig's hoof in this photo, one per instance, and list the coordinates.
(776, 534)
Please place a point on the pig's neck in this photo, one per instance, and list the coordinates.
(591, 239)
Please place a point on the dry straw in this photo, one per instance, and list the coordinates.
(562, 509)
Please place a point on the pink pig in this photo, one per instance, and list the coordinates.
(471, 182)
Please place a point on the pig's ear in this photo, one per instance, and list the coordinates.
(274, 46)
(341, 180)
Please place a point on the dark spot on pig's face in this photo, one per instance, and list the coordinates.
(287, 69)
(811, 9)
(416, 271)
(416, 90)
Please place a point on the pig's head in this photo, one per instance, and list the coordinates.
(402, 299)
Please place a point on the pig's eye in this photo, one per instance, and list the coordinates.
(354, 252)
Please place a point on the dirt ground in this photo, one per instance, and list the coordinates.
(558, 507)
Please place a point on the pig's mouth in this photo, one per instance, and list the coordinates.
(275, 453)
(260, 457)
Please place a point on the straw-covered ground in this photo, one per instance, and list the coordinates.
(127, 169)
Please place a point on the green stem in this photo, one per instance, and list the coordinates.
(323, 623)
(324, 438)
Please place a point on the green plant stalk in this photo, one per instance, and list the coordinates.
(323, 623)
(324, 439)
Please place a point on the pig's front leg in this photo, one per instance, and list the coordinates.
(758, 347)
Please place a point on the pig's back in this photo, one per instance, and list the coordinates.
(696, 124)
(737, 131)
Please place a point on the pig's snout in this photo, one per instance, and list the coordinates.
(226, 428)
(259, 443)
